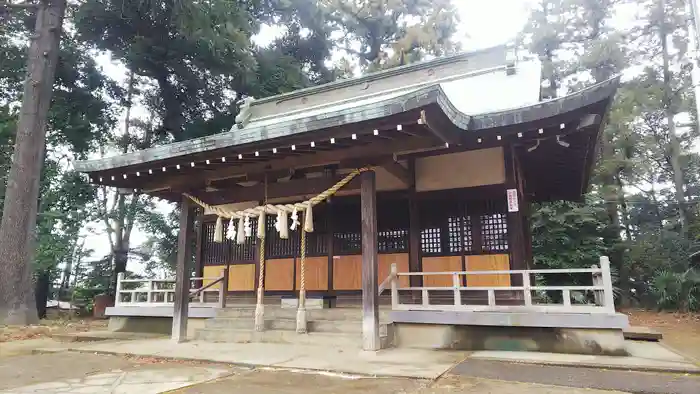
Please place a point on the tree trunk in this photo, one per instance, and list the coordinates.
(41, 292)
(17, 231)
(669, 111)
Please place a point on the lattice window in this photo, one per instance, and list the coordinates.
(430, 240)
(392, 241)
(347, 243)
(454, 233)
(468, 240)
(213, 253)
(246, 251)
(276, 247)
(494, 232)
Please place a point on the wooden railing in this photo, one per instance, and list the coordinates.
(601, 288)
(161, 292)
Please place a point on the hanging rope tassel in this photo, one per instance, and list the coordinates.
(309, 219)
(231, 230)
(259, 307)
(301, 311)
(284, 225)
(219, 230)
(240, 234)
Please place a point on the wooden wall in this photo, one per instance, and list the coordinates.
(279, 274)
(315, 272)
(488, 262)
(458, 170)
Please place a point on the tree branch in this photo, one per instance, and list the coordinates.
(18, 6)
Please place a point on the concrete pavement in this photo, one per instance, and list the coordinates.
(412, 363)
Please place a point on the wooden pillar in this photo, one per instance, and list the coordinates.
(370, 296)
(516, 230)
(182, 272)
(199, 234)
(414, 248)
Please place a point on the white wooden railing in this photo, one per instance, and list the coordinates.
(161, 292)
(602, 288)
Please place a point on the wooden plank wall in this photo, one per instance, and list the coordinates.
(279, 274)
(316, 273)
(488, 262)
(440, 264)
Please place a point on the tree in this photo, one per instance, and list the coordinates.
(17, 236)
(387, 33)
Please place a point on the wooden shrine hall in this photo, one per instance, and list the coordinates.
(430, 186)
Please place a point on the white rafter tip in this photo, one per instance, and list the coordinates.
(240, 156)
(100, 179)
(541, 131)
(562, 126)
(399, 127)
(150, 171)
(163, 169)
(192, 164)
(520, 135)
(376, 132)
(498, 137)
(223, 160)
(478, 140)
(112, 177)
(420, 121)
(313, 144)
(294, 147)
(124, 176)
(274, 150)
(332, 140)
(257, 153)
(208, 162)
(138, 173)
(447, 144)
(354, 136)
(177, 166)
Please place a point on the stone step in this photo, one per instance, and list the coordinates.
(274, 313)
(341, 326)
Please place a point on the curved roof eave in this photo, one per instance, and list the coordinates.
(377, 108)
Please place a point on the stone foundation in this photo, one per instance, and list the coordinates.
(553, 340)
(151, 325)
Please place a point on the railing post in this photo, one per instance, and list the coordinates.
(527, 293)
(223, 288)
(394, 287)
(607, 284)
(426, 297)
(492, 297)
(597, 281)
(566, 297)
(117, 294)
(457, 289)
(149, 292)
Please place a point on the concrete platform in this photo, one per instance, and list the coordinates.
(643, 356)
(639, 333)
(91, 336)
(412, 363)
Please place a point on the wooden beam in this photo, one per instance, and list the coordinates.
(438, 128)
(374, 149)
(301, 187)
(399, 171)
(370, 263)
(182, 272)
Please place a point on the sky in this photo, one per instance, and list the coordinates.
(483, 23)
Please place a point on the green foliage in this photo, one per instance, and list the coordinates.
(568, 235)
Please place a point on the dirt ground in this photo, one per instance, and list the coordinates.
(42, 368)
(681, 331)
(46, 328)
(285, 382)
